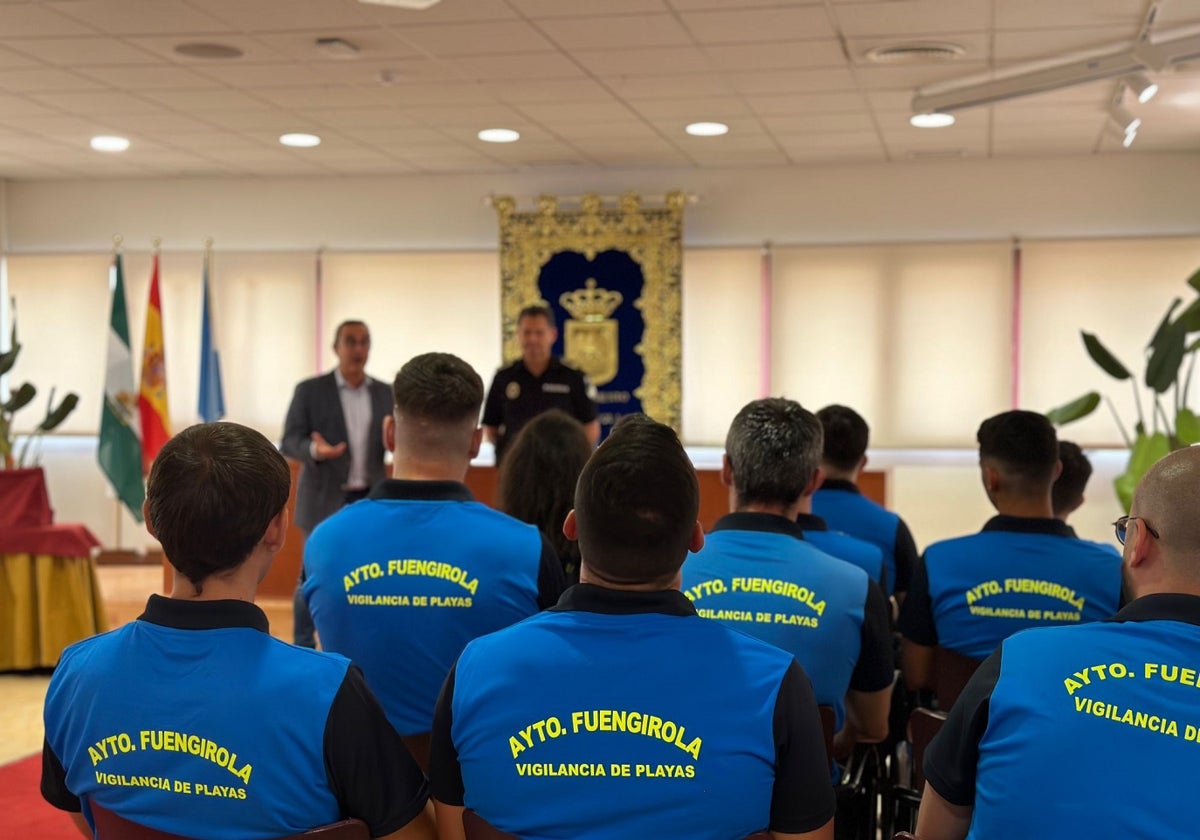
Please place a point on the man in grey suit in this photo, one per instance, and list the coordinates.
(334, 428)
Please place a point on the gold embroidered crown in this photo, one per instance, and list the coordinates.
(590, 304)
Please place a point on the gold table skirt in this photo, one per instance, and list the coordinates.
(47, 602)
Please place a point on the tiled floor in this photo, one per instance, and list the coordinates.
(125, 590)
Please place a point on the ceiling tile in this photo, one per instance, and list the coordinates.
(26, 20)
(374, 43)
(205, 141)
(794, 23)
(708, 109)
(98, 102)
(475, 38)
(806, 103)
(270, 119)
(915, 19)
(356, 118)
(585, 8)
(614, 129)
(822, 124)
(206, 100)
(522, 66)
(161, 120)
(395, 137)
(75, 52)
(907, 78)
(451, 12)
(560, 113)
(274, 15)
(164, 46)
(691, 85)
(38, 80)
(245, 75)
(323, 96)
(386, 72)
(440, 93)
(1034, 44)
(780, 55)
(484, 116)
(616, 32)
(1036, 14)
(13, 58)
(163, 77)
(790, 81)
(16, 106)
(548, 90)
(643, 62)
(120, 17)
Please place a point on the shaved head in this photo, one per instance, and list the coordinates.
(1168, 499)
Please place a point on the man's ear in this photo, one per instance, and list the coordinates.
(697, 541)
(726, 470)
(570, 527)
(476, 441)
(146, 518)
(814, 483)
(1057, 471)
(276, 533)
(389, 433)
(990, 477)
(862, 463)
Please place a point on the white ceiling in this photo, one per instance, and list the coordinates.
(599, 83)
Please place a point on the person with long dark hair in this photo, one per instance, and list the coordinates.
(537, 479)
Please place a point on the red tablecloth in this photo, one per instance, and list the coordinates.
(60, 540)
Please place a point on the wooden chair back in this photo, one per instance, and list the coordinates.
(952, 672)
(111, 826)
(923, 724)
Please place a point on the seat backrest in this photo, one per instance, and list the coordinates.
(952, 672)
(923, 724)
(477, 828)
(110, 826)
(828, 718)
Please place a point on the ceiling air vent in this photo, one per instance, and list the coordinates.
(924, 52)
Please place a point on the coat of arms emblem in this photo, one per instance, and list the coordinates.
(590, 337)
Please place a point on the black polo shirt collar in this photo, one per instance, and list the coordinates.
(587, 597)
(203, 615)
(767, 523)
(400, 489)
(1029, 525)
(1162, 607)
(841, 484)
(554, 366)
(811, 522)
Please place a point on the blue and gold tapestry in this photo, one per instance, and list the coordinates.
(612, 276)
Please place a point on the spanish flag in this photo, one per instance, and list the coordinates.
(152, 401)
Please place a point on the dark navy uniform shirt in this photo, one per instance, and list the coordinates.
(625, 715)
(193, 720)
(517, 396)
(1080, 731)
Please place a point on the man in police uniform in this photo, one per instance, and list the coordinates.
(759, 573)
(402, 580)
(844, 508)
(621, 713)
(535, 383)
(192, 719)
(1024, 569)
(1033, 743)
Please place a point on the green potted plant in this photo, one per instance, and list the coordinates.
(1169, 424)
(19, 398)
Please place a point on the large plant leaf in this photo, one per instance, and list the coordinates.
(1191, 316)
(9, 358)
(1106, 360)
(19, 398)
(55, 416)
(1076, 409)
(1187, 427)
(1166, 356)
(1164, 324)
(1194, 280)
(5, 441)
(1147, 450)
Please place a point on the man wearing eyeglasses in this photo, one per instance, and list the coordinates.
(1024, 569)
(1029, 747)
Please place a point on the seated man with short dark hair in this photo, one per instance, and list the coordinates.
(620, 712)
(1067, 492)
(192, 719)
(1024, 569)
(1088, 730)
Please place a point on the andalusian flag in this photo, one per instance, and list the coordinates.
(152, 401)
(120, 450)
(211, 402)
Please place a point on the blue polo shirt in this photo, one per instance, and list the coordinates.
(843, 506)
(1055, 717)
(651, 722)
(865, 555)
(969, 594)
(757, 573)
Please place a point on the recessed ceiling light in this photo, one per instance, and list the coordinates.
(499, 135)
(216, 52)
(707, 129)
(300, 141)
(931, 120)
(109, 143)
